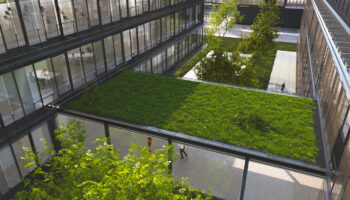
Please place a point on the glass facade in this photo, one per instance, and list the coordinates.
(41, 18)
(29, 88)
(33, 86)
(11, 164)
(316, 65)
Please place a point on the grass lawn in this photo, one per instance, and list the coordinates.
(270, 123)
(262, 65)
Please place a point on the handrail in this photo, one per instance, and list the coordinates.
(267, 158)
(339, 64)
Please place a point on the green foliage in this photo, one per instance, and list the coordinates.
(271, 123)
(78, 173)
(261, 64)
(225, 16)
(191, 63)
(232, 69)
(260, 41)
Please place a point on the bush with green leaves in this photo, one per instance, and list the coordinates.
(75, 172)
(224, 68)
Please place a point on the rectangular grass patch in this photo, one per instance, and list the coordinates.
(271, 123)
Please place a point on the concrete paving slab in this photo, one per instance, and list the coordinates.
(284, 71)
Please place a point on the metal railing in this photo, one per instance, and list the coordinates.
(247, 159)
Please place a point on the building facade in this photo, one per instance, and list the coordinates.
(50, 50)
(323, 74)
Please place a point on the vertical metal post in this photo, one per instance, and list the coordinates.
(244, 178)
(20, 16)
(170, 142)
(93, 52)
(99, 13)
(37, 83)
(75, 18)
(43, 20)
(19, 94)
(31, 141)
(127, 8)
(54, 75)
(3, 38)
(57, 8)
(122, 46)
(137, 39)
(14, 158)
(82, 65)
(107, 133)
(69, 71)
(104, 54)
(2, 124)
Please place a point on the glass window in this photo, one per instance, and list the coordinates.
(93, 12)
(132, 8)
(115, 10)
(10, 25)
(109, 49)
(61, 73)
(18, 149)
(49, 15)
(10, 103)
(290, 184)
(118, 49)
(28, 89)
(76, 68)
(46, 78)
(38, 134)
(127, 45)
(123, 8)
(33, 21)
(148, 39)
(81, 14)
(9, 175)
(123, 138)
(133, 41)
(346, 127)
(89, 62)
(98, 52)
(67, 17)
(141, 35)
(93, 130)
(105, 11)
(205, 169)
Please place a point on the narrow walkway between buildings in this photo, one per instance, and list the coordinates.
(289, 35)
(283, 71)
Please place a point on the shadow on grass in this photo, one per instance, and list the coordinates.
(127, 98)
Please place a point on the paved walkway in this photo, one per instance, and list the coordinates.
(284, 71)
(289, 35)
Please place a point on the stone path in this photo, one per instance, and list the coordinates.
(284, 71)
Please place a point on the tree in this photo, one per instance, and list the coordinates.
(78, 173)
(226, 16)
(224, 68)
(260, 41)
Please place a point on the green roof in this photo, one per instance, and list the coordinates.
(271, 123)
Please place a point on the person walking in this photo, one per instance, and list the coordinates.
(182, 151)
(283, 86)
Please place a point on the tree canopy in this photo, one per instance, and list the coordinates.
(225, 16)
(221, 67)
(75, 172)
(260, 41)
